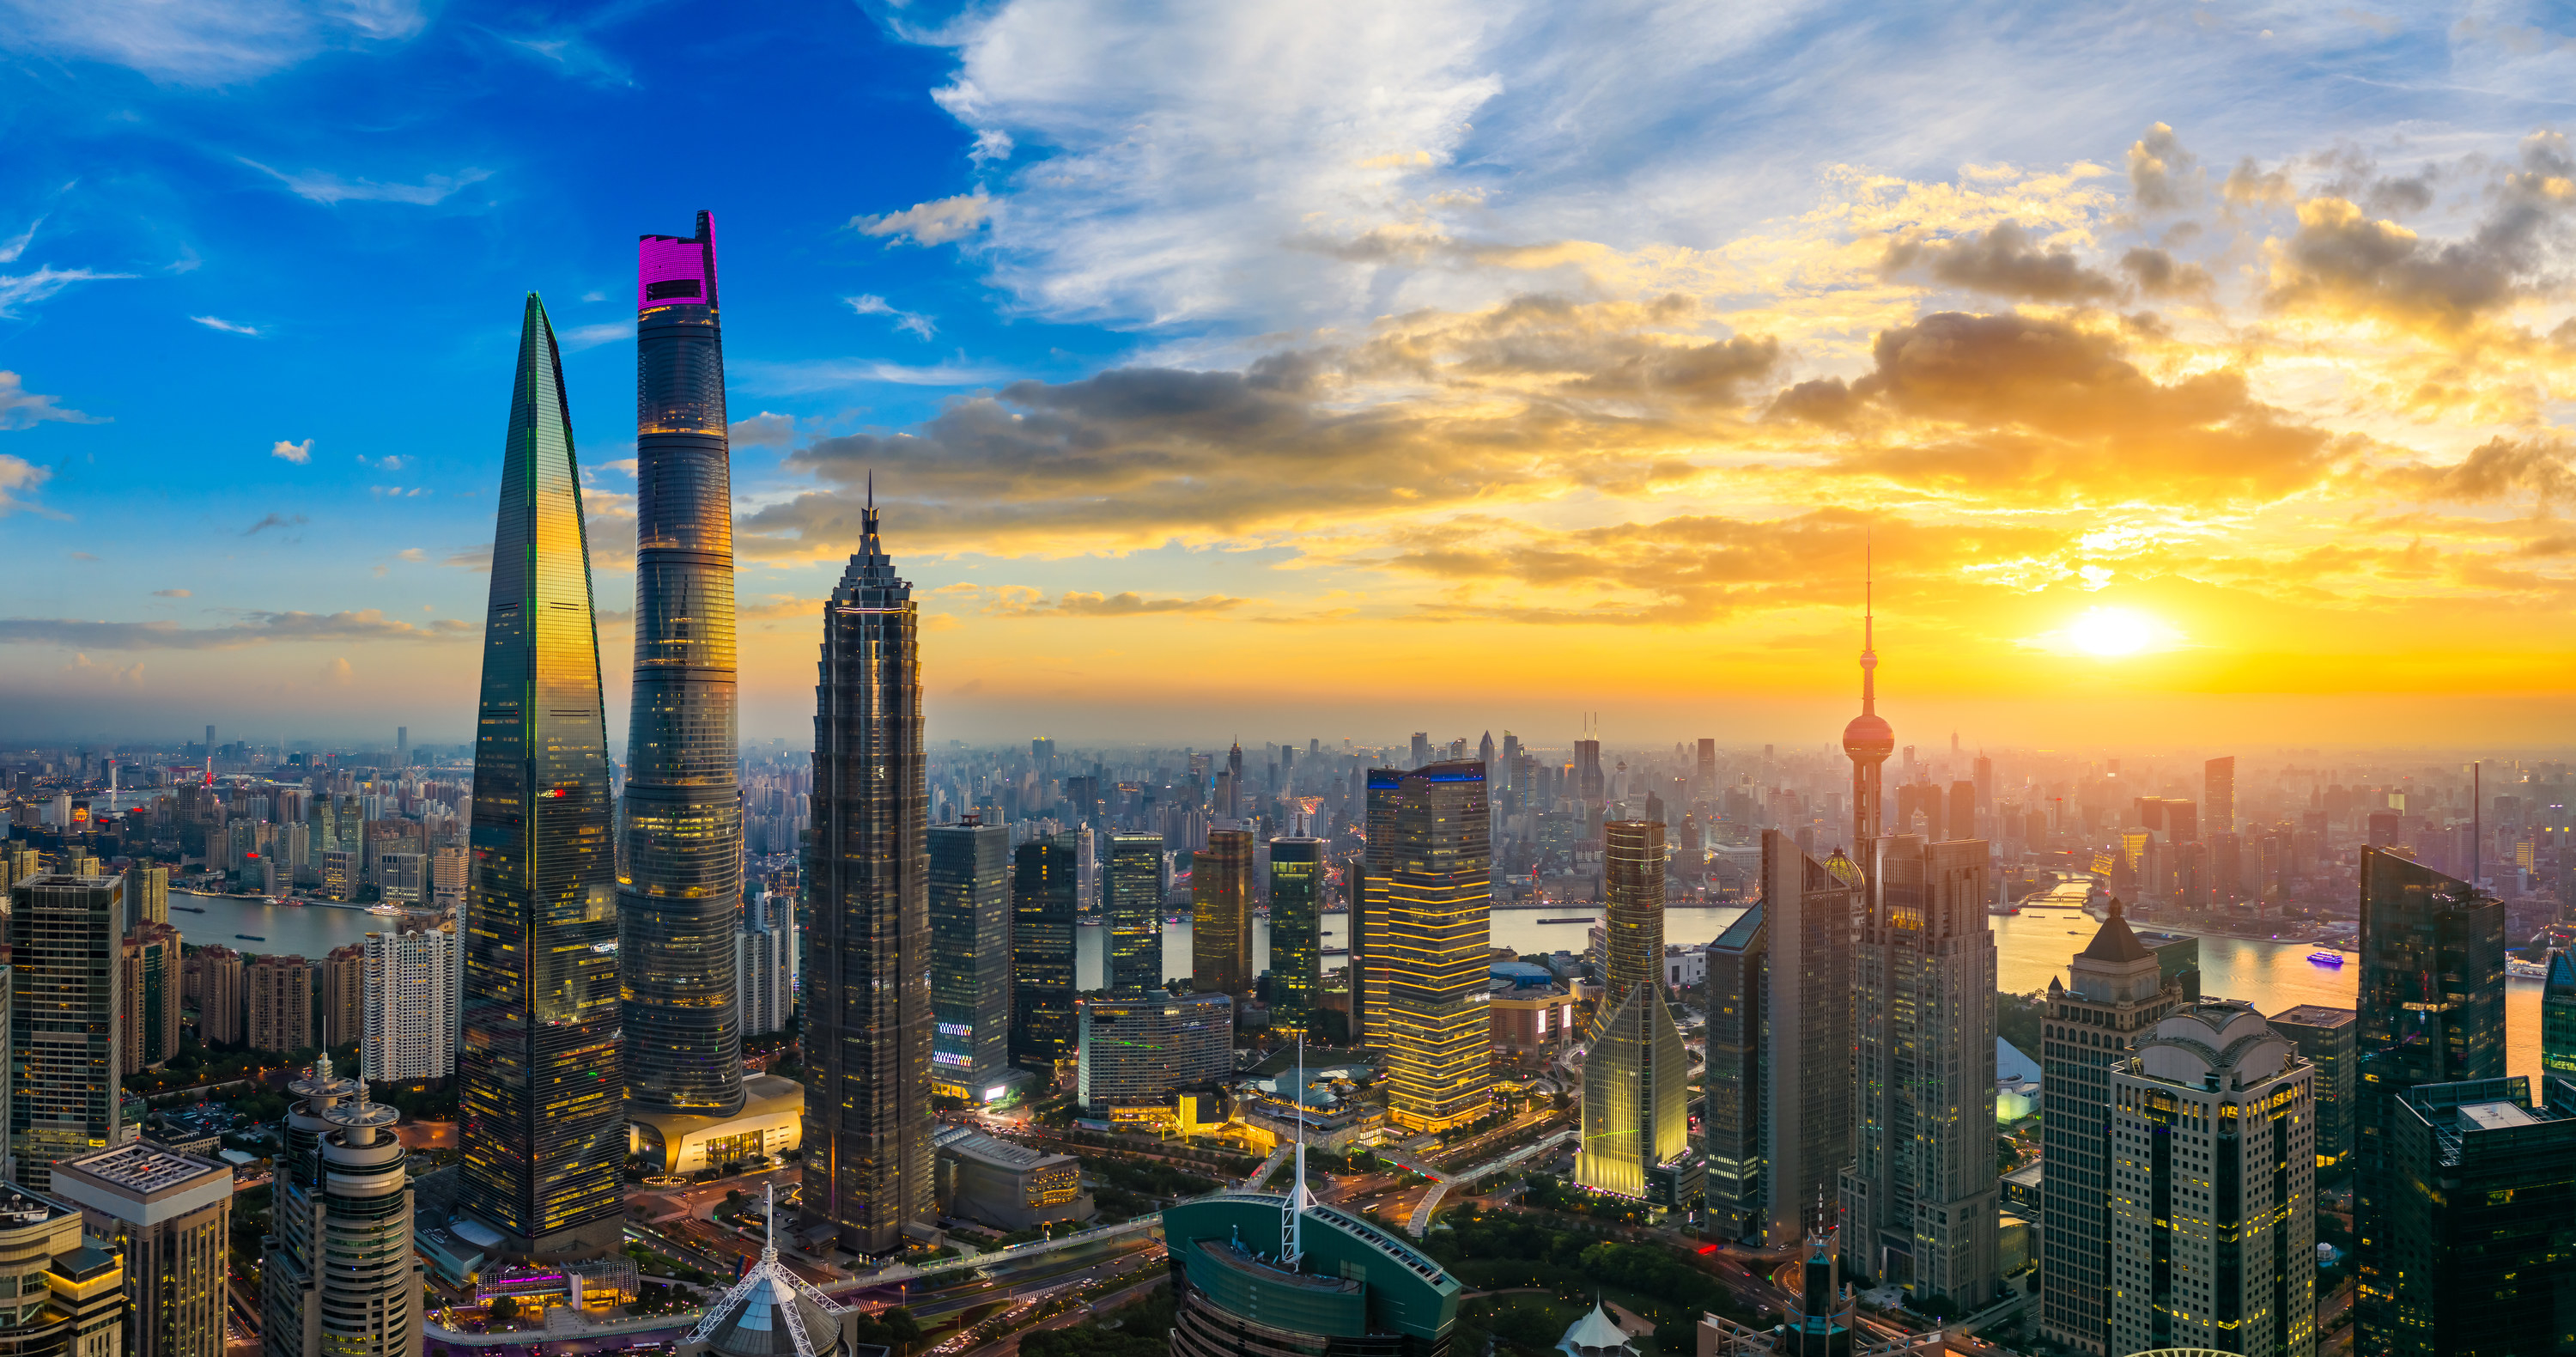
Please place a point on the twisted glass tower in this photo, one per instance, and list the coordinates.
(868, 999)
(538, 1068)
(680, 883)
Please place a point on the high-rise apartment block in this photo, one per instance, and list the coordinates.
(538, 1064)
(1221, 916)
(2479, 1219)
(2213, 1201)
(1922, 1184)
(1636, 1096)
(1131, 895)
(2325, 1038)
(1779, 1105)
(1297, 882)
(1046, 896)
(1437, 931)
(1136, 1049)
(169, 1216)
(148, 887)
(970, 956)
(680, 871)
(280, 990)
(66, 1057)
(213, 980)
(2117, 996)
(765, 963)
(407, 1022)
(149, 1004)
(2431, 1002)
(344, 997)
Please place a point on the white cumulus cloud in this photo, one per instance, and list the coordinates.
(298, 453)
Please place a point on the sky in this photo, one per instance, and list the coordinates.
(2181, 372)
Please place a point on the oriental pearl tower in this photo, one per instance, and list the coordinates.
(1868, 739)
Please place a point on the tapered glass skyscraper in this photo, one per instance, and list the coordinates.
(680, 876)
(538, 1068)
(1438, 936)
(1636, 1115)
(867, 972)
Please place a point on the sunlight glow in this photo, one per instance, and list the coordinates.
(2110, 633)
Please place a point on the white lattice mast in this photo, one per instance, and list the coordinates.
(769, 1272)
(1292, 1216)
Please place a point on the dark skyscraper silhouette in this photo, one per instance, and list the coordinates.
(1132, 896)
(538, 1070)
(681, 901)
(1046, 881)
(867, 974)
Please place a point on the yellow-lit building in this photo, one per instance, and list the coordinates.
(1636, 1116)
(772, 1121)
(1439, 894)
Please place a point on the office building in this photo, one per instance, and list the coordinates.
(148, 887)
(2431, 1005)
(2116, 997)
(1779, 1105)
(2479, 1218)
(403, 879)
(1136, 1049)
(1046, 894)
(1382, 792)
(340, 873)
(2213, 1196)
(344, 996)
(280, 990)
(407, 1017)
(1439, 892)
(680, 872)
(213, 977)
(868, 1010)
(1131, 894)
(1919, 1200)
(1006, 1185)
(2325, 1038)
(1297, 882)
(1279, 1273)
(1867, 741)
(338, 1278)
(149, 1002)
(2558, 1024)
(70, 1293)
(169, 1216)
(1636, 1095)
(67, 1061)
(2218, 795)
(765, 963)
(537, 1059)
(1221, 912)
(970, 956)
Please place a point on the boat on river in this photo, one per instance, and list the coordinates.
(2326, 958)
(1584, 920)
(250, 937)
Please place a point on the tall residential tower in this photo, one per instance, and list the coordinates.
(680, 874)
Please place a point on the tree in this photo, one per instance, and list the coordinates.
(505, 1309)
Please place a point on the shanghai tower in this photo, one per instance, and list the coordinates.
(867, 975)
(680, 887)
(538, 1069)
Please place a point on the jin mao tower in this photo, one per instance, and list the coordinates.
(680, 888)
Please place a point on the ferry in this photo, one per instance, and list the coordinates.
(2003, 909)
(189, 909)
(384, 909)
(2326, 958)
(250, 937)
(1584, 920)
(2526, 970)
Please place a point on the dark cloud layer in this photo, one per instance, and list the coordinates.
(2005, 263)
(255, 629)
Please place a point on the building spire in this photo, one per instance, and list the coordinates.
(1869, 627)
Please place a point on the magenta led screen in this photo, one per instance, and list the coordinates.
(674, 272)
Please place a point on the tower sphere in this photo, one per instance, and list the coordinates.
(1869, 738)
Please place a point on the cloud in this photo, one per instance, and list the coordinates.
(411, 554)
(2162, 175)
(582, 337)
(2340, 263)
(782, 606)
(332, 190)
(2497, 470)
(2158, 274)
(2003, 262)
(757, 431)
(83, 556)
(92, 673)
(932, 223)
(255, 629)
(21, 408)
(173, 593)
(275, 521)
(205, 43)
(478, 559)
(2250, 185)
(18, 478)
(869, 304)
(833, 374)
(16, 245)
(1018, 603)
(337, 672)
(27, 289)
(571, 52)
(228, 327)
(298, 453)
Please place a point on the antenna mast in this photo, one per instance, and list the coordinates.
(1292, 1231)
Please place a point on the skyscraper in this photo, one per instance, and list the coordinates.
(537, 1065)
(680, 878)
(2325, 1038)
(970, 956)
(1636, 1096)
(408, 1026)
(338, 1276)
(2432, 1012)
(1132, 897)
(66, 1059)
(1779, 1050)
(1221, 917)
(2213, 1202)
(1046, 894)
(868, 1009)
(1368, 920)
(2118, 996)
(2218, 794)
(1296, 932)
(1868, 740)
(1922, 1185)
(1439, 894)
(169, 1216)
(2479, 1219)
(2558, 1025)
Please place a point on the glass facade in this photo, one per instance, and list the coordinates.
(1368, 911)
(1132, 891)
(538, 1066)
(868, 933)
(1438, 954)
(1633, 881)
(1635, 1082)
(65, 1058)
(680, 868)
(2558, 1024)
(1136, 1049)
(1221, 914)
(970, 956)
(1046, 890)
(2480, 1220)
(2432, 1012)
(1297, 880)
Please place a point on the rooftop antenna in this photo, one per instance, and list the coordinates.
(1292, 1231)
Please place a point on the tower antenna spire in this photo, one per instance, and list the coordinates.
(1292, 1230)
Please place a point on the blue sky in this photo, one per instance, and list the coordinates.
(1270, 358)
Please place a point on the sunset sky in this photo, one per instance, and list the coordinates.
(2194, 371)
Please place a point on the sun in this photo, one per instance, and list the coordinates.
(2110, 633)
